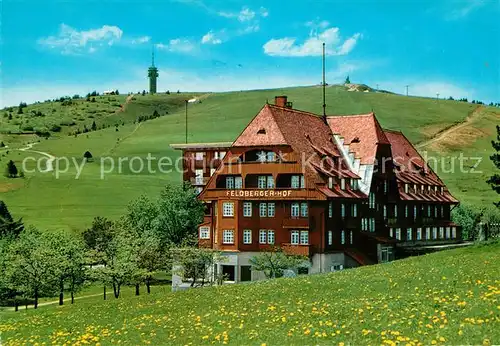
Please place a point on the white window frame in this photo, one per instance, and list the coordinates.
(238, 182)
(262, 209)
(342, 184)
(295, 181)
(342, 237)
(330, 237)
(229, 183)
(228, 236)
(434, 233)
(198, 173)
(247, 209)
(302, 182)
(419, 233)
(304, 209)
(271, 209)
(398, 233)
(270, 182)
(270, 237)
(247, 236)
(453, 232)
(294, 237)
(351, 237)
(385, 212)
(199, 156)
(448, 232)
(391, 232)
(354, 184)
(228, 209)
(204, 232)
(304, 237)
(409, 234)
(427, 233)
(270, 156)
(441, 232)
(342, 210)
(354, 210)
(261, 182)
(262, 236)
(385, 187)
(295, 209)
(330, 183)
(406, 188)
(330, 209)
(395, 210)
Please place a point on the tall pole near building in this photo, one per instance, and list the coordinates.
(324, 85)
(186, 121)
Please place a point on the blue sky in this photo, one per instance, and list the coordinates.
(50, 49)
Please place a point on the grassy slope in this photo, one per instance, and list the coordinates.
(67, 202)
(412, 301)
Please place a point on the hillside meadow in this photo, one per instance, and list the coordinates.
(450, 297)
(71, 201)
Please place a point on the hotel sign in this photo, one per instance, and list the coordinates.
(259, 193)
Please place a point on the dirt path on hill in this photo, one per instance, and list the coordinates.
(447, 132)
(50, 158)
(109, 151)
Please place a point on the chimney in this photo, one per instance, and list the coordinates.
(282, 101)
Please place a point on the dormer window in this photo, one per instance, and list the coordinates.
(442, 190)
(330, 183)
(435, 189)
(406, 188)
(354, 184)
(342, 184)
(261, 131)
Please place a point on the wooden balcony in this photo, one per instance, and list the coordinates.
(296, 222)
(298, 250)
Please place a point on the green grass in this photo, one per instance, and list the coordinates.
(451, 297)
(67, 202)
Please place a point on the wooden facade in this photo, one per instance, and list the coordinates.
(318, 187)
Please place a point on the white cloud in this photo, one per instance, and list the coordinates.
(141, 40)
(178, 45)
(211, 38)
(245, 14)
(313, 46)
(249, 29)
(464, 9)
(72, 41)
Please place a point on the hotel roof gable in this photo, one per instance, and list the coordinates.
(361, 132)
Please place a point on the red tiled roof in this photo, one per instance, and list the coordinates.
(412, 169)
(361, 132)
(305, 132)
(261, 131)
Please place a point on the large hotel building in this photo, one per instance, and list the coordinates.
(338, 189)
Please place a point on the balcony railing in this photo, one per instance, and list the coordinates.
(298, 250)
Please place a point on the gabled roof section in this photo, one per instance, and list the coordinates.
(362, 133)
(261, 131)
(409, 161)
(412, 169)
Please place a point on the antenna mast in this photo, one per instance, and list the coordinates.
(324, 85)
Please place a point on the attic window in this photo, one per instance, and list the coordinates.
(355, 140)
(261, 131)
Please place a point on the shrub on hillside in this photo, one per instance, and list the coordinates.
(468, 218)
(11, 170)
(87, 156)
